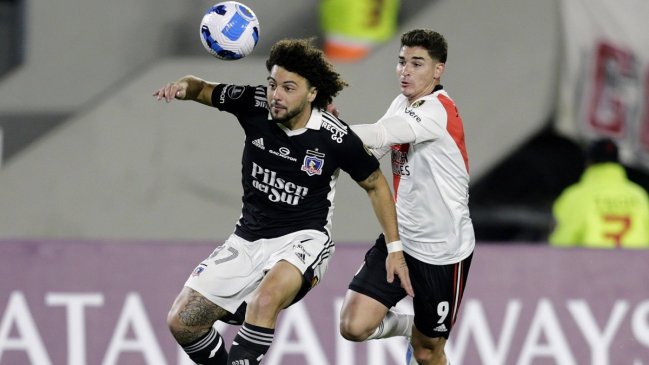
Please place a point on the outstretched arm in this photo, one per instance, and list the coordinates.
(187, 88)
(380, 195)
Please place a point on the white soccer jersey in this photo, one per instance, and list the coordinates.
(431, 180)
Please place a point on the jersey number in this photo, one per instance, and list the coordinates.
(442, 311)
(230, 255)
(624, 224)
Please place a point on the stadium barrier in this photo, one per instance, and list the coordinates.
(80, 303)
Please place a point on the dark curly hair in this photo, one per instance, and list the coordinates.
(301, 57)
(428, 39)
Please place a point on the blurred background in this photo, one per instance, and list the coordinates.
(87, 153)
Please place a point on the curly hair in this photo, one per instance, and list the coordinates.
(430, 40)
(301, 57)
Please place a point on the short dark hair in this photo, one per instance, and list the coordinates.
(602, 150)
(432, 41)
(301, 57)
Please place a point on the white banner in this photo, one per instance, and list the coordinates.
(604, 77)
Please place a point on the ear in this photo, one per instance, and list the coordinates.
(312, 94)
(439, 70)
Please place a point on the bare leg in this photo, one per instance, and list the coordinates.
(360, 316)
(190, 321)
(192, 316)
(428, 350)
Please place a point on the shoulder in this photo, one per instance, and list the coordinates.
(335, 129)
(254, 96)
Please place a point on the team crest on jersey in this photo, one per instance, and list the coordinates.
(418, 103)
(313, 162)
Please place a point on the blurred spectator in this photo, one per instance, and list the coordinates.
(353, 27)
(604, 209)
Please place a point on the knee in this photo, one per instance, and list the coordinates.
(431, 352)
(264, 304)
(190, 316)
(174, 323)
(353, 330)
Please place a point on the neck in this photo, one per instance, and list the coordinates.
(429, 90)
(299, 121)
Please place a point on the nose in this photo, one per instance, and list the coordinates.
(277, 94)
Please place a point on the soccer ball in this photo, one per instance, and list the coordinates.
(229, 30)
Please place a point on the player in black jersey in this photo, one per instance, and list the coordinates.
(281, 244)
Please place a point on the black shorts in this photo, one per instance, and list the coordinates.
(438, 288)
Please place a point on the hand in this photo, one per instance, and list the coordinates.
(331, 108)
(395, 264)
(173, 90)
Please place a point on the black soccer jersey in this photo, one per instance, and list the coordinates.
(289, 177)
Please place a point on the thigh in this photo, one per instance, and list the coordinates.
(371, 279)
(361, 311)
(194, 310)
(438, 294)
(230, 274)
(308, 251)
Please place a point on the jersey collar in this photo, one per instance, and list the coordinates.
(314, 122)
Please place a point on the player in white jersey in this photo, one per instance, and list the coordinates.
(280, 248)
(424, 133)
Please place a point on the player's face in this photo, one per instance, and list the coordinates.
(289, 97)
(418, 73)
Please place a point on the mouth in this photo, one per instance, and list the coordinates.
(277, 107)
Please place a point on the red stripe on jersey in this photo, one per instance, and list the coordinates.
(454, 126)
(399, 160)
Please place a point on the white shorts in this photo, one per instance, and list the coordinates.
(235, 268)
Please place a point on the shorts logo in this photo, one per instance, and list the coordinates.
(440, 328)
(313, 162)
(300, 252)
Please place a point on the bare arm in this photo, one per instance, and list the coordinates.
(187, 88)
(378, 191)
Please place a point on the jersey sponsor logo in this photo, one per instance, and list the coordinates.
(411, 113)
(333, 125)
(277, 188)
(259, 142)
(235, 91)
(400, 165)
(313, 162)
(283, 153)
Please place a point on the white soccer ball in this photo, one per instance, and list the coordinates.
(229, 30)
